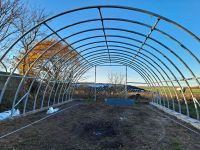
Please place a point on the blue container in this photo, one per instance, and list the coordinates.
(119, 102)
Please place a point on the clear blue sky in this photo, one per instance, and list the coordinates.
(184, 12)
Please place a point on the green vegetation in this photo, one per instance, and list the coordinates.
(195, 90)
(191, 107)
(175, 146)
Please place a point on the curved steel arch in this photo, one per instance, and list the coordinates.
(38, 89)
(151, 67)
(88, 67)
(195, 77)
(147, 76)
(3, 90)
(123, 47)
(116, 41)
(160, 43)
(140, 64)
(131, 49)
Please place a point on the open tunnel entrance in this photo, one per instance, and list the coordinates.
(109, 81)
(164, 54)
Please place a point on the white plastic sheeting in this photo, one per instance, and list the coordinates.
(7, 114)
(52, 110)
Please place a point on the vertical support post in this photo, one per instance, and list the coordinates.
(72, 81)
(126, 92)
(95, 80)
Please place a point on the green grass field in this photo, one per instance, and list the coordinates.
(191, 106)
(195, 90)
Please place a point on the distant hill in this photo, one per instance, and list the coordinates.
(105, 86)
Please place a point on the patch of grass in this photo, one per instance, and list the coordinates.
(175, 146)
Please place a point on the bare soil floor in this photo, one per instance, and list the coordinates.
(99, 127)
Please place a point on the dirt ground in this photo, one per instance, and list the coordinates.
(99, 127)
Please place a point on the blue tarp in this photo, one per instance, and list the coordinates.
(119, 102)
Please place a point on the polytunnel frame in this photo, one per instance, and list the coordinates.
(127, 58)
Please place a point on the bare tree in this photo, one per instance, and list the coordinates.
(116, 80)
(10, 10)
(28, 19)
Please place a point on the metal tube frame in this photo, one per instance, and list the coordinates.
(137, 63)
